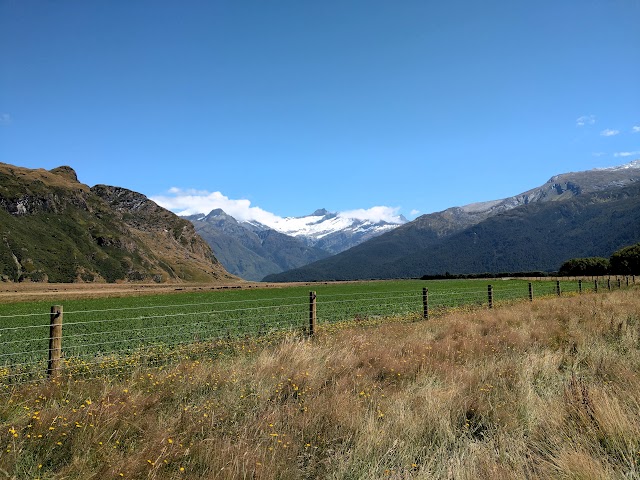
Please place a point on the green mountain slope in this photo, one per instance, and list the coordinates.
(54, 228)
(532, 236)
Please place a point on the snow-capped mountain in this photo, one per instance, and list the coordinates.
(333, 232)
(252, 250)
(252, 253)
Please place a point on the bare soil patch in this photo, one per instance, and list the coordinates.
(30, 291)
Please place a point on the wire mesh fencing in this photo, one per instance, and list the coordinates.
(115, 340)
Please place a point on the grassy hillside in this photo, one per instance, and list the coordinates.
(54, 228)
(544, 390)
(538, 236)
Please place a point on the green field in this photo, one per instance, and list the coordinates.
(99, 333)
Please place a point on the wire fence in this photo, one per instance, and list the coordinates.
(115, 340)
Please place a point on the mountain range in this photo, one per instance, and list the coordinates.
(54, 228)
(590, 213)
(253, 250)
(57, 229)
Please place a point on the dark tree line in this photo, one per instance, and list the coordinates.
(625, 261)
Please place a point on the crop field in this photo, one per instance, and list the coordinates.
(109, 333)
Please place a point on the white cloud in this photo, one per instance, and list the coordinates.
(626, 154)
(609, 132)
(5, 119)
(585, 120)
(374, 214)
(598, 154)
(414, 212)
(190, 202)
(635, 129)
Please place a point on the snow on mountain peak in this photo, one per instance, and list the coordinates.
(322, 223)
(633, 164)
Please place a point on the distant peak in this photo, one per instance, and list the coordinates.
(321, 212)
(216, 212)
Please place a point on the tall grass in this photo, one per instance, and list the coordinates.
(548, 389)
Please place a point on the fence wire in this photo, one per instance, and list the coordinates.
(98, 341)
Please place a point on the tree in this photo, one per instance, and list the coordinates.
(585, 266)
(626, 261)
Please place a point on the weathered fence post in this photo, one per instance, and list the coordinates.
(530, 292)
(579, 286)
(425, 303)
(595, 285)
(627, 279)
(619, 283)
(608, 284)
(55, 341)
(558, 291)
(312, 313)
(490, 295)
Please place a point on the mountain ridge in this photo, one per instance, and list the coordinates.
(390, 255)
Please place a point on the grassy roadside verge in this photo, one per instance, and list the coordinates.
(542, 390)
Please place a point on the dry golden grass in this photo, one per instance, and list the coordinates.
(542, 390)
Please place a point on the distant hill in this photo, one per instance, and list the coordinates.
(54, 228)
(581, 214)
(250, 252)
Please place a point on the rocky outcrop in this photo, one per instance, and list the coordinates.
(53, 227)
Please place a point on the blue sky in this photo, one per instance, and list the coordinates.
(289, 106)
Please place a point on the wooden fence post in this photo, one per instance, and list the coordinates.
(558, 291)
(55, 341)
(627, 278)
(595, 285)
(312, 313)
(530, 292)
(619, 283)
(490, 295)
(609, 284)
(579, 286)
(425, 303)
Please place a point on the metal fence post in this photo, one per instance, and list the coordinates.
(530, 292)
(490, 295)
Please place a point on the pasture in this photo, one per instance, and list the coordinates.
(109, 334)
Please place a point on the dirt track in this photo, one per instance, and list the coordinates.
(24, 292)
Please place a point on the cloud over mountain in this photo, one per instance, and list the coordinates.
(191, 201)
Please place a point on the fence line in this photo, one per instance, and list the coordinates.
(98, 340)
